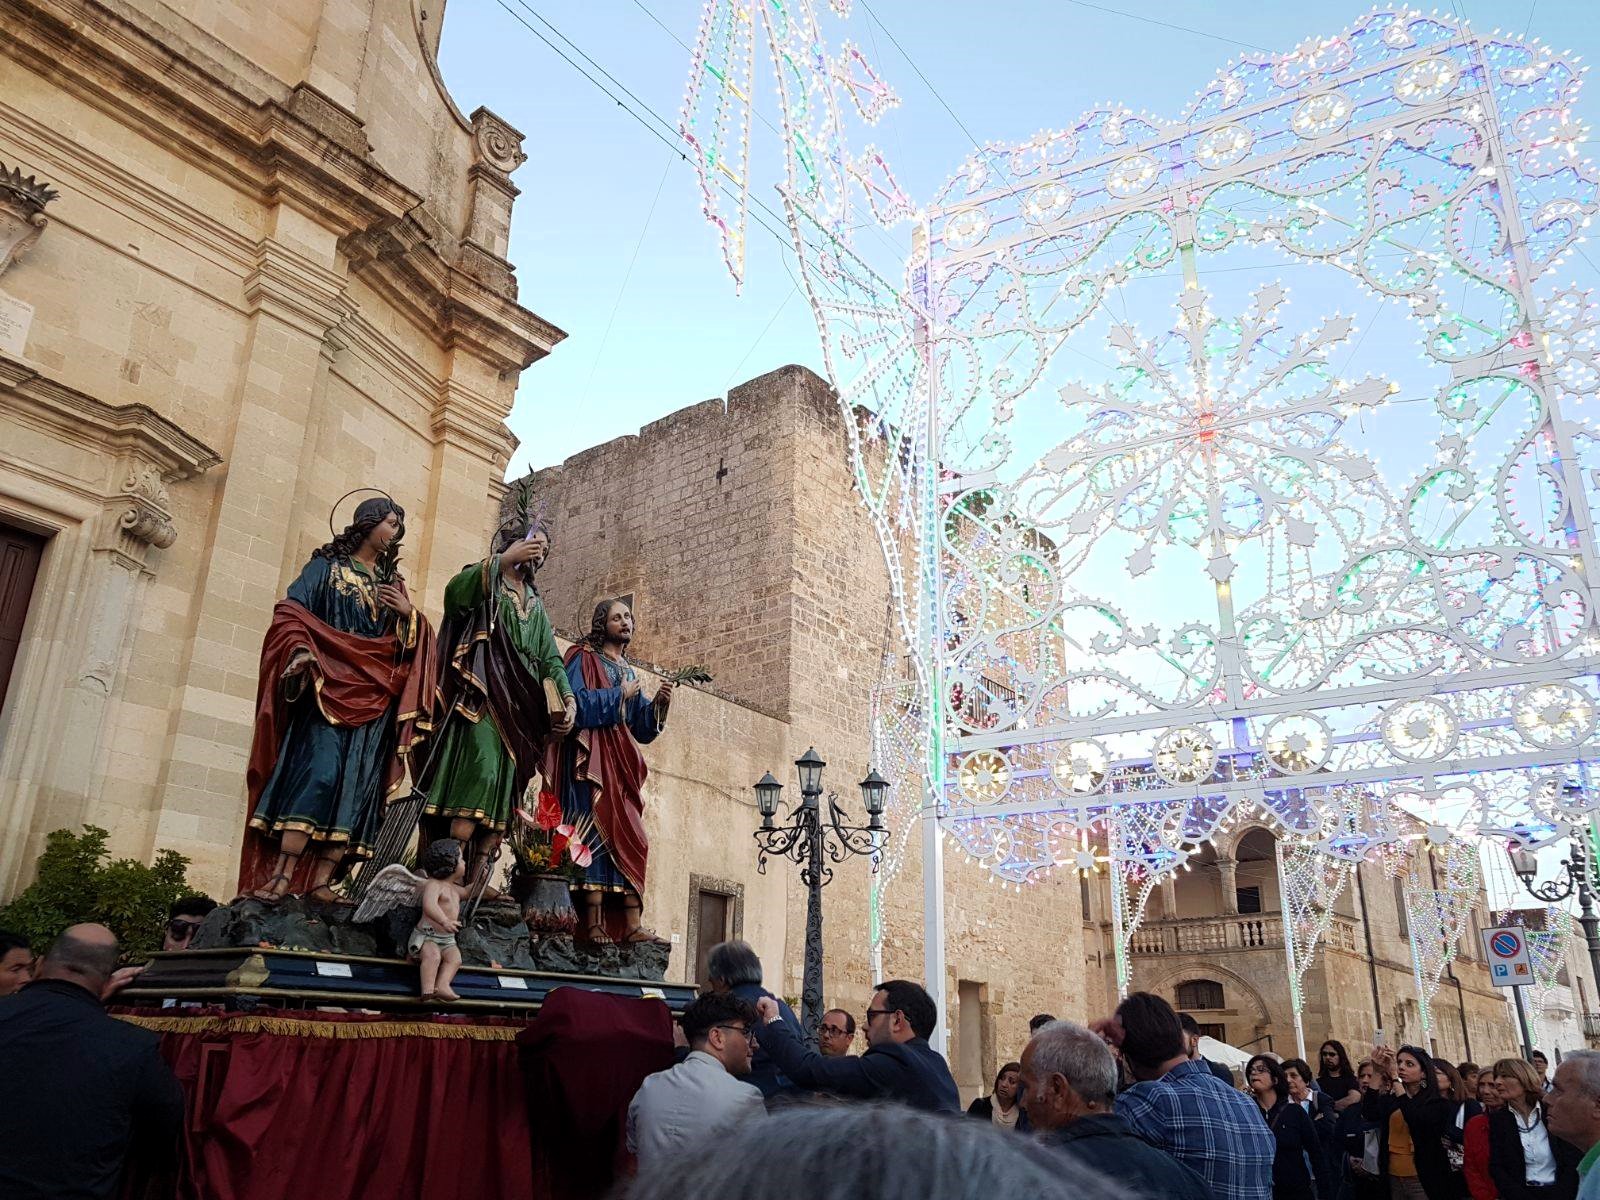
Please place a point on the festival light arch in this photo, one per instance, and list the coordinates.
(1173, 537)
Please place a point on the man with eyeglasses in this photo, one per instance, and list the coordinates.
(679, 1106)
(899, 1065)
(836, 1034)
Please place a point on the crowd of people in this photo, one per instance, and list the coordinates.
(1129, 1097)
(1125, 1106)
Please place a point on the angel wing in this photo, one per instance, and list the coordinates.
(392, 887)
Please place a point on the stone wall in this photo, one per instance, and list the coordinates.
(735, 529)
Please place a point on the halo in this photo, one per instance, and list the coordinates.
(332, 512)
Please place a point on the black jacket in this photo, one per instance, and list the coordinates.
(83, 1090)
(983, 1109)
(763, 1073)
(1326, 1123)
(1299, 1153)
(1428, 1119)
(1106, 1143)
(1508, 1167)
(906, 1072)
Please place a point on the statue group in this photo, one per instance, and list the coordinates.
(357, 697)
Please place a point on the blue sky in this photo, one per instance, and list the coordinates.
(607, 236)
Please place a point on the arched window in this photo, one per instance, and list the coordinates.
(1200, 993)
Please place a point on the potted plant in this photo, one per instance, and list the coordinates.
(548, 857)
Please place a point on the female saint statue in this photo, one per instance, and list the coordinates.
(345, 692)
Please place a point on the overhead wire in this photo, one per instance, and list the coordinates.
(1216, 37)
(668, 139)
(623, 287)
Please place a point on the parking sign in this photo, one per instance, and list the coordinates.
(1505, 949)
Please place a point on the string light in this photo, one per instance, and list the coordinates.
(1357, 660)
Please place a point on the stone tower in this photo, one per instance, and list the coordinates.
(735, 529)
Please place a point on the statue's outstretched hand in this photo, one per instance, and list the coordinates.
(299, 663)
(664, 694)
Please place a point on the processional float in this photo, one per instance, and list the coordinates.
(1237, 466)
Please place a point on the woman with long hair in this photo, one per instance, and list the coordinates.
(1000, 1106)
(1411, 1117)
(1525, 1162)
(1475, 1142)
(1298, 1160)
(1463, 1107)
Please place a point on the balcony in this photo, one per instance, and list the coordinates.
(1591, 1030)
(1203, 935)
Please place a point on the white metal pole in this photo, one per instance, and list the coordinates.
(1286, 920)
(929, 564)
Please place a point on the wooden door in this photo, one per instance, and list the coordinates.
(19, 565)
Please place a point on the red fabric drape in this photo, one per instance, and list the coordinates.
(274, 1116)
(609, 759)
(356, 678)
(584, 1057)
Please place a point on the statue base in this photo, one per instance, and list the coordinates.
(248, 953)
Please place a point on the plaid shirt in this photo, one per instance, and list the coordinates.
(1208, 1126)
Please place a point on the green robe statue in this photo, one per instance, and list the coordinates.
(499, 650)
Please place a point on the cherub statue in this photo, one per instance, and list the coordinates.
(439, 890)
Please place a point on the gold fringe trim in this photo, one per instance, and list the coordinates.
(341, 1030)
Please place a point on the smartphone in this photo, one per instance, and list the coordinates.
(1378, 1038)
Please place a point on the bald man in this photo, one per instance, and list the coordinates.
(84, 1088)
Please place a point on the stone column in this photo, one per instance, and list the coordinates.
(1228, 868)
(1169, 897)
(295, 295)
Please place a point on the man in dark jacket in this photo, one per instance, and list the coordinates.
(86, 1088)
(1191, 1047)
(733, 967)
(899, 1065)
(1069, 1086)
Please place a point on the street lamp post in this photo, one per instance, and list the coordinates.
(1574, 876)
(814, 841)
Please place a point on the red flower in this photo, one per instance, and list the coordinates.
(547, 815)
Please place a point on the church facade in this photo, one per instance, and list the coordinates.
(251, 256)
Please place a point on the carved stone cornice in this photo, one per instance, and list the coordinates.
(297, 146)
(148, 451)
(296, 289)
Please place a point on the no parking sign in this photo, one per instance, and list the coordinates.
(1506, 951)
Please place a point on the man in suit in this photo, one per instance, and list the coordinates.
(677, 1107)
(87, 1089)
(1070, 1084)
(899, 1065)
(733, 967)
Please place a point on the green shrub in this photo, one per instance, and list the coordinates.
(78, 882)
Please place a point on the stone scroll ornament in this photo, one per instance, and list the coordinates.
(1225, 460)
(1438, 918)
(22, 220)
